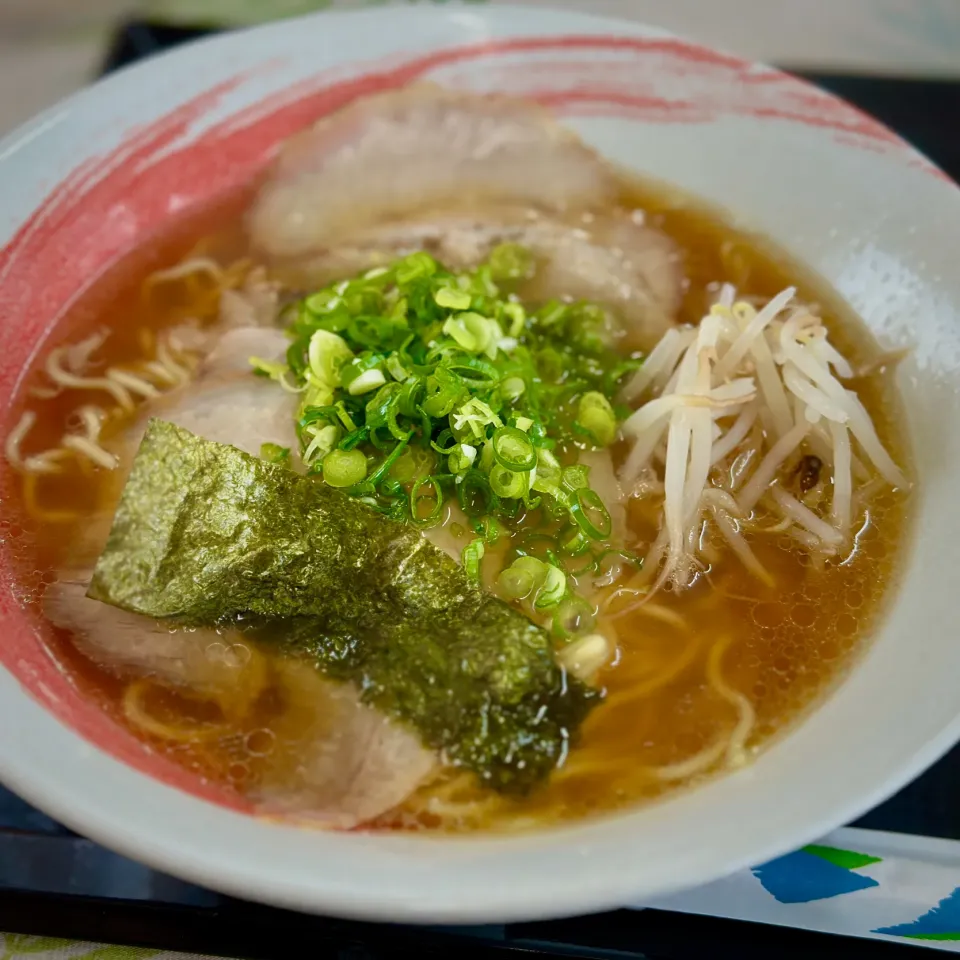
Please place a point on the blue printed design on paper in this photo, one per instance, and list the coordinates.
(800, 877)
(940, 923)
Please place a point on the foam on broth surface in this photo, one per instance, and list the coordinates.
(783, 647)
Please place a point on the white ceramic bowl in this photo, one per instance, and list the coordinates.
(96, 174)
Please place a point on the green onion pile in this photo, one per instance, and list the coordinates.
(422, 386)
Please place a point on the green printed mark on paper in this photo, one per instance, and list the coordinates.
(847, 859)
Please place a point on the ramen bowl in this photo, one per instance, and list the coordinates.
(105, 170)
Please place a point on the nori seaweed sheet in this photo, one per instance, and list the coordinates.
(206, 534)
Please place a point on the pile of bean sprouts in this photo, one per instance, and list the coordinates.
(727, 409)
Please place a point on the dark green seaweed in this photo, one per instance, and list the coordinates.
(206, 534)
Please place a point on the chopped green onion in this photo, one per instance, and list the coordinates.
(553, 315)
(513, 449)
(435, 493)
(323, 302)
(380, 440)
(576, 545)
(462, 458)
(532, 542)
(486, 458)
(315, 395)
(529, 577)
(498, 341)
(453, 299)
(596, 416)
(531, 503)
(590, 514)
(445, 436)
(476, 415)
(603, 562)
(269, 368)
(613, 378)
(476, 373)
(473, 332)
(323, 441)
(414, 462)
(549, 473)
(509, 261)
(353, 440)
(553, 588)
(471, 556)
(274, 453)
(411, 395)
(404, 468)
(517, 316)
(589, 328)
(372, 332)
(395, 367)
(559, 503)
(547, 461)
(573, 616)
(344, 468)
(510, 484)
(521, 578)
(488, 529)
(326, 353)
(360, 364)
(313, 416)
(476, 495)
(378, 407)
(367, 381)
(409, 363)
(344, 416)
(512, 389)
(391, 458)
(415, 267)
(445, 390)
(575, 477)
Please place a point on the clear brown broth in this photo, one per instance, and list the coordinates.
(788, 645)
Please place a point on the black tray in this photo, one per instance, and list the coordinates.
(55, 883)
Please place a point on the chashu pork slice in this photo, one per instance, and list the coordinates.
(353, 763)
(392, 154)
